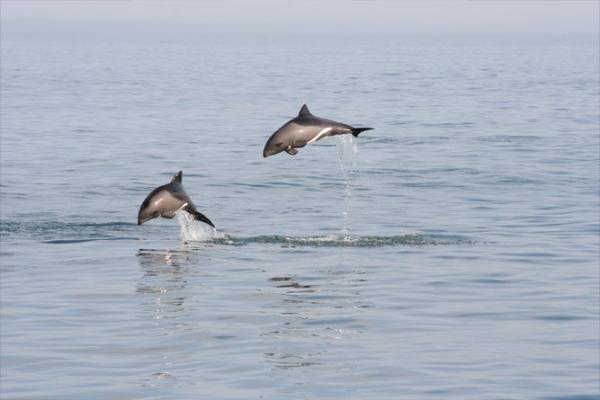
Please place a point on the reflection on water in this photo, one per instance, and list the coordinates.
(290, 282)
(164, 279)
(288, 361)
(163, 287)
(303, 316)
(315, 313)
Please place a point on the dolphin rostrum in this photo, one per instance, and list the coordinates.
(305, 129)
(166, 200)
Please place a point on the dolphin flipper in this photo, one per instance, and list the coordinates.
(291, 151)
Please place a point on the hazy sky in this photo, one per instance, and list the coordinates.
(326, 15)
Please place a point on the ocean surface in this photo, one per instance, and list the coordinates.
(450, 253)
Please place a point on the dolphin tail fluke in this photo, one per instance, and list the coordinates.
(202, 218)
(357, 131)
(198, 216)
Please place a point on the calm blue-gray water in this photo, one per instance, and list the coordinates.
(450, 253)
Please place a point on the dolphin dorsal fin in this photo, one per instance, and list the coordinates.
(177, 177)
(304, 111)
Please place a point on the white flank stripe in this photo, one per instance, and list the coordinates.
(323, 131)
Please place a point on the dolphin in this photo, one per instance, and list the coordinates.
(305, 129)
(166, 200)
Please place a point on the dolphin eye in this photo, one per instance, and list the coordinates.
(279, 144)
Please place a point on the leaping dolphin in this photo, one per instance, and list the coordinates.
(166, 200)
(305, 129)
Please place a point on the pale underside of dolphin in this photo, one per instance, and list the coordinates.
(166, 200)
(305, 129)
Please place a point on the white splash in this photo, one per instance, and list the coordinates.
(196, 231)
(347, 152)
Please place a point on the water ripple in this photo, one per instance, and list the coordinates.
(347, 241)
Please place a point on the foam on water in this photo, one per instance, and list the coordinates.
(415, 239)
(58, 232)
(195, 231)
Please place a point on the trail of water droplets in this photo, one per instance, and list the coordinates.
(346, 153)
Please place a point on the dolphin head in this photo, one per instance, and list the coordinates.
(276, 143)
(148, 211)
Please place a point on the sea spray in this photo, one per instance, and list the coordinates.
(347, 152)
(196, 231)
